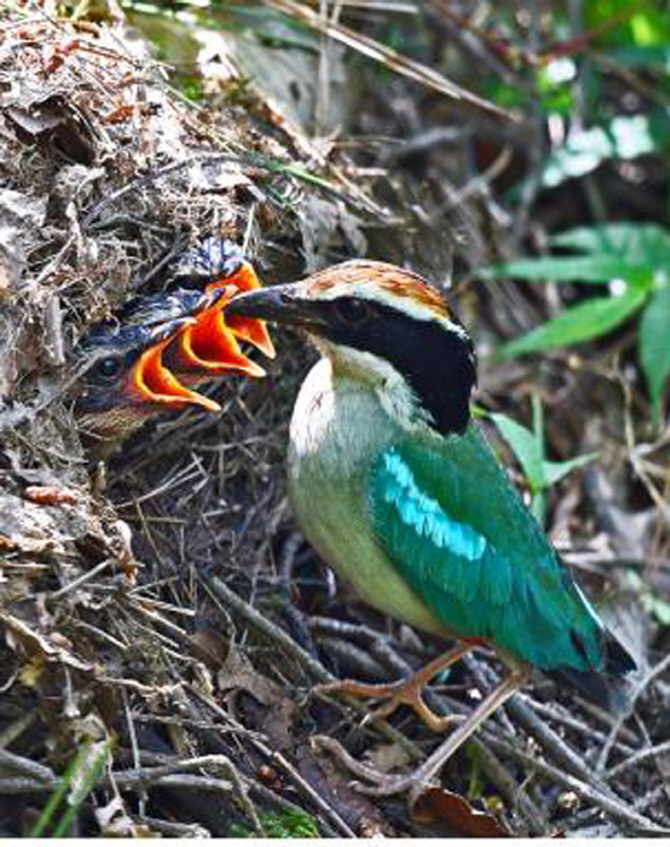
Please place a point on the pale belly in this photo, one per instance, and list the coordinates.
(334, 438)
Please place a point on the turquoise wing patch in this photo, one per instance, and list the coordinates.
(455, 527)
(424, 515)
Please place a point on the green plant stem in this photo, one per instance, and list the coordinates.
(56, 797)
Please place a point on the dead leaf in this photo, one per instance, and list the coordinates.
(7, 544)
(17, 632)
(387, 757)
(439, 805)
(31, 672)
(114, 820)
(38, 118)
(238, 672)
(50, 495)
(21, 216)
(358, 810)
(210, 646)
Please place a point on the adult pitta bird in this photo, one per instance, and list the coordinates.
(395, 486)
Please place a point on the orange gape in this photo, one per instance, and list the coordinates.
(251, 330)
(203, 348)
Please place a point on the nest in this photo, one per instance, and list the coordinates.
(162, 622)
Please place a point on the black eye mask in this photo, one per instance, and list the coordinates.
(439, 365)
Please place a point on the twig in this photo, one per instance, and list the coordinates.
(660, 793)
(261, 623)
(557, 714)
(378, 643)
(547, 737)
(639, 688)
(172, 775)
(314, 796)
(168, 691)
(551, 742)
(486, 678)
(15, 729)
(638, 757)
(101, 634)
(133, 745)
(184, 780)
(206, 726)
(80, 580)
(536, 147)
(242, 793)
(509, 788)
(26, 785)
(178, 766)
(171, 828)
(385, 55)
(608, 720)
(26, 767)
(253, 160)
(286, 766)
(140, 605)
(330, 745)
(605, 802)
(484, 48)
(358, 660)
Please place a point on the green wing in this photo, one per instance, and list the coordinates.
(456, 528)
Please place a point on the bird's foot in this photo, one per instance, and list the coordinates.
(416, 782)
(406, 692)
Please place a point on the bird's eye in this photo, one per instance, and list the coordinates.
(109, 367)
(352, 310)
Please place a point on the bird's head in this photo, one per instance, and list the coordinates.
(123, 377)
(385, 326)
(161, 346)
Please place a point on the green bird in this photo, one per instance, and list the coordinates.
(396, 488)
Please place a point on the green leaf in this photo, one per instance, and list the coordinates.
(654, 347)
(553, 471)
(526, 446)
(588, 320)
(624, 137)
(538, 506)
(643, 245)
(598, 268)
(661, 610)
(656, 57)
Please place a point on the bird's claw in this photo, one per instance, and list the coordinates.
(402, 693)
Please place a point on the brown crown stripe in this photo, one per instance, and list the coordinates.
(399, 283)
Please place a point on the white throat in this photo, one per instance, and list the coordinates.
(395, 395)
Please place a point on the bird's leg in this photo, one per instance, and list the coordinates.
(406, 691)
(500, 694)
(417, 780)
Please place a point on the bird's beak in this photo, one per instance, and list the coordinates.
(254, 331)
(207, 348)
(281, 303)
(154, 383)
